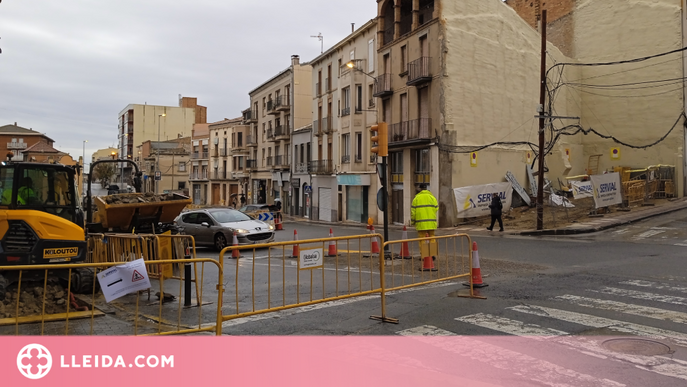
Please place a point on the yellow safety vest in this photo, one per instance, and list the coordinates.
(423, 211)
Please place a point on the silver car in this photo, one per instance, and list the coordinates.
(215, 227)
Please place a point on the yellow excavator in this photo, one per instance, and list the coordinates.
(41, 222)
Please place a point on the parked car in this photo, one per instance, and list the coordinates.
(252, 208)
(215, 227)
(112, 189)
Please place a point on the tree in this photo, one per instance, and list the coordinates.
(103, 173)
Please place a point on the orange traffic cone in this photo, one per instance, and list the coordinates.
(476, 278)
(235, 252)
(277, 222)
(375, 245)
(332, 245)
(427, 262)
(295, 253)
(405, 251)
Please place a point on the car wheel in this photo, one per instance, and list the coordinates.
(220, 241)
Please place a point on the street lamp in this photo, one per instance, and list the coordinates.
(157, 154)
(83, 157)
(351, 65)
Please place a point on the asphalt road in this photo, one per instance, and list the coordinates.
(629, 282)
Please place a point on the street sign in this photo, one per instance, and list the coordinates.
(158, 175)
(381, 201)
(308, 189)
(265, 216)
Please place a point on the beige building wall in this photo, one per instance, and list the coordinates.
(637, 116)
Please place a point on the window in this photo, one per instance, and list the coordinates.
(182, 166)
(404, 59)
(352, 55)
(396, 162)
(181, 185)
(358, 147)
(240, 138)
(345, 145)
(359, 99)
(370, 92)
(371, 55)
(264, 106)
(346, 100)
(422, 160)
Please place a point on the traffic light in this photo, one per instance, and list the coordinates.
(380, 136)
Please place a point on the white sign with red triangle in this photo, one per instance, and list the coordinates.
(121, 280)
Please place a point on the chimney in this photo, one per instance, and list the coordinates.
(294, 60)
(352, 27)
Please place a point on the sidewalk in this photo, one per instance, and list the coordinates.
(614, 219)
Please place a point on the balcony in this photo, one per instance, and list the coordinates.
(410, 131)
(270, 161)
(371, 103)
(418, 72)
(16, 145)
(250, 116)
(346, 111)
(272, 108)
(281, 161)
(318, 89)
(270, 134)
(199, 155)
(327, 125)
(373, 159)
(317, 128)
(217, 175)
(283, 103)
(251, 164)
(321, 167)
(382, 87)
(251, 140)
(281, 132)
(198, 175)
(346, 159)
(222, 152)
(301, 168)
(237, 150)
(327, 85)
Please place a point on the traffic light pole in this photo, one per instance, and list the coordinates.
(385, 195)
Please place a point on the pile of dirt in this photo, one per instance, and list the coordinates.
(131, 198)
(31, 300)
(525, 218)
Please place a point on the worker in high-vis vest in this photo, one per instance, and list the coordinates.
(423, 214)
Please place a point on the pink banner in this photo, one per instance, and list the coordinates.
(302, 361)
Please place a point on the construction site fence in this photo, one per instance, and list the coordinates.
(47, 300)
(276, 276)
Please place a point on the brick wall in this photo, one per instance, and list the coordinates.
(559, 19)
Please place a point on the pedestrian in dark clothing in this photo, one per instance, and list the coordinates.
(496, 207)
(243, 200)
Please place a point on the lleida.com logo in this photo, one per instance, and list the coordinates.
(34, 361)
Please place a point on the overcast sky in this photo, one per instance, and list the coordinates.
(68, 67)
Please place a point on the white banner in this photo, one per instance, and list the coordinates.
(474, 201)
(118, 281)
(607, 189)
(581, 189)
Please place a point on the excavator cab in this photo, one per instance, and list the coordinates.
(41, 220)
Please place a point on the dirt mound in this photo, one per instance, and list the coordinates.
(131, 198)
(31, 300)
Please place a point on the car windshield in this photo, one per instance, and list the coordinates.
(229, 216)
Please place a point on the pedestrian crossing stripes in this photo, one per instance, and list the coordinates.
(578, 330)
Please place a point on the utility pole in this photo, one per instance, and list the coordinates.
(542, 123)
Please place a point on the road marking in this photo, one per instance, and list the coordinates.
(681, 244)
(655, 285)
(520, 364)
(648, 234)
(587, 345)
(601, 322)
(642, 295)
(329, 304)
(637, 310)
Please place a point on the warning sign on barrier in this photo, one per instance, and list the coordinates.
(118, 281)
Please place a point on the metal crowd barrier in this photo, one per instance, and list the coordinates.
(40, 303)
(270, 275)
(422, 261)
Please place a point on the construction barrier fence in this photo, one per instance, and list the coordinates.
(282, 275)
(65, 299)
(423, 261)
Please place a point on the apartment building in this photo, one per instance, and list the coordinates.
(140, 123)
(276, 106)
(173, 157)
(17, 139)
(344, 173)
(199, 176)
(228, 153)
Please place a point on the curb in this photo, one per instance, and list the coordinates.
(619, 222)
